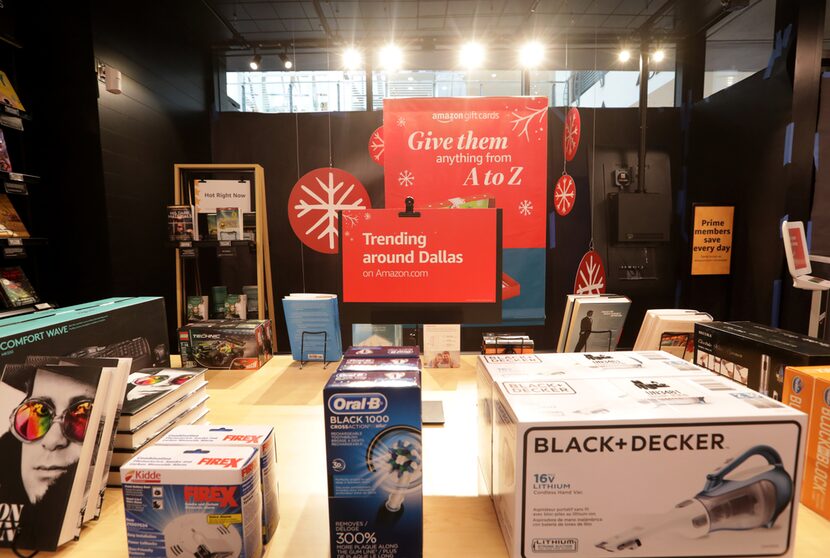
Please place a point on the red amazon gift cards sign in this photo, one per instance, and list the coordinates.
(431, 259)
(471, 152)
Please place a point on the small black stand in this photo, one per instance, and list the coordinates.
(302, 346)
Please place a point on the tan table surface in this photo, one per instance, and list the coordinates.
(457, 521)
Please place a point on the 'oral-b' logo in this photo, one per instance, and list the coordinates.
(357, 403)
(827, 397)
(797, 385)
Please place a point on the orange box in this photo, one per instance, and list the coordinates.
(807, 388)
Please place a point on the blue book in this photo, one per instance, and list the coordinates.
(313, 314)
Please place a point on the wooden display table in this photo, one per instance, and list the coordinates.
(457, 521)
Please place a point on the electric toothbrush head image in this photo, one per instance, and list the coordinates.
(394, 455)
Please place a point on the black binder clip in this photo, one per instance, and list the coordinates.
(409, 204)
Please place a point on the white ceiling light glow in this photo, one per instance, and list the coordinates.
(471, 55)
(531, 54)
(390, 57)
(352, 59)
(624, 55)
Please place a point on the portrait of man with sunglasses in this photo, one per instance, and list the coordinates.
(48, 410)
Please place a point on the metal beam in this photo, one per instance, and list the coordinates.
(323, 21)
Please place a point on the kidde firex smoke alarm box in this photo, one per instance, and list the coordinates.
(645, 467)
(191, 501)
(560, 366)
(374, 462)
(807, 389)
(755, 355)
(260, 437)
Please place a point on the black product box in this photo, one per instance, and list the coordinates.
(754, 354)
(226, 344)
(134, 327)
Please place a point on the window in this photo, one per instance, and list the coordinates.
(427, 83)
(319, 91)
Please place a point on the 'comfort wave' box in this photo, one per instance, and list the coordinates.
(182, 502)
(256, 436)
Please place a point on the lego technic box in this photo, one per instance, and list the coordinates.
(645, 466)
(193, 501)
(226, 344)
(755, 355)
(112, 328)
(373, 449)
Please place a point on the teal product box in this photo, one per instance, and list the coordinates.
(132, 327)
(256, 436)
(374, 462)
(193, 501)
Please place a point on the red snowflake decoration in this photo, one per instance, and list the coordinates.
(564, 195)
(590, 275)
(571, 133)
(314, 204)
(376, 146)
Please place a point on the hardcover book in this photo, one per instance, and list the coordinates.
(596, 323)
(229, 223)
(55, 423)
(5, 162)
(313, 322)
(181, 225)
(151, 390)
(8, 96)
(10, 223)
(15, 289)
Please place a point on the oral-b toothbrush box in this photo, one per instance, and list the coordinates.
(645, 466)
(193, 501)
(256, 436)
(403, 364)
(374, 461)
(382, 352)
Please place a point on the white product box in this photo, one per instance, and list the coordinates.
(191, 501)
(256, 436)
(645, 466)
(561, 366)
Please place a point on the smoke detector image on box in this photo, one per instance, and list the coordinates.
(394, 456)
(191, 536)
(753, 499)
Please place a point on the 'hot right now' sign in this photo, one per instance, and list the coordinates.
(712, 239)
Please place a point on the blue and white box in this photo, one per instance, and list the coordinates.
(374, 462)
(258, 436)
(191, 501)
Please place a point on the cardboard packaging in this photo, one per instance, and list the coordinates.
(373, 450)
(260, 437)
(382, 352)
(374, 364)
(191, 501)
(808, 389)
(560, 366)
(755, 355)
(645, 467)
(134, 327)
(226, 344)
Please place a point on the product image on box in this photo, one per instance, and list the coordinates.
(394, 456)
(733, 505)
(226, 344)
(190, 535)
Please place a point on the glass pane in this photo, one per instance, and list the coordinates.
(429, 83)
(317, 91)
(612, 89)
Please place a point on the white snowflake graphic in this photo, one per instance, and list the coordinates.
(593, 282)
(401, 122)
(351, 220)
(376, 145)
(522, 122)
(563, 195)
(526, 207)
(406, 178)
(327, 207)
(571, 132)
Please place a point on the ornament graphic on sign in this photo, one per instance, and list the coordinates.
(564, 195)
(522, 123)
(526, 207)
(571, 133)
(406, 178)
(376, 146)
(314, 202)
(590, 275)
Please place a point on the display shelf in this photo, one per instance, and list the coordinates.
(19, 177)
(457, 520)
(20, 241)
(210, 243)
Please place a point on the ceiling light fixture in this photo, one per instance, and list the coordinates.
(471, 55)
(659, 55)
(255, 62)
(624, 55)
(390, 57)
(352, 59)
(286, 61)
(531, 54)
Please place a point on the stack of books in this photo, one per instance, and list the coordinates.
(671, 330)
(592, 323)
(506, 344)
(157, 400)
(313, 322)
(58, 445)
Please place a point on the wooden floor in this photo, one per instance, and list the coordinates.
(457, 521)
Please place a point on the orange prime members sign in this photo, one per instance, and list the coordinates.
(439, 257)
(712, 239)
